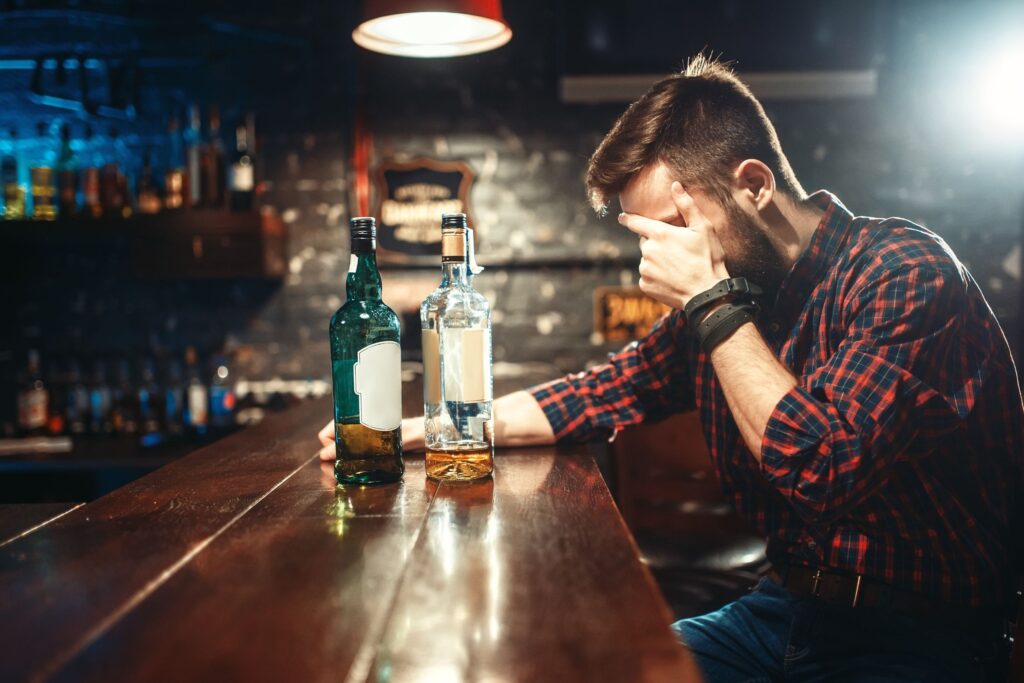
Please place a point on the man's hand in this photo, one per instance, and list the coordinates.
(678, 262)
(326, 437)
(412, 437)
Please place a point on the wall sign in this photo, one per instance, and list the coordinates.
(411, 197)
(625, 313)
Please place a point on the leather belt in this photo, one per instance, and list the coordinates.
(858, 591)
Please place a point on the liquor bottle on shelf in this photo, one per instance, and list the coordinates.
(174, 400)
(125, 409)
(197, 398)
(456, 320)
(124, 159)
(150, 401)
(211, 164)
(113, 184)
(57, 388)
(14, 193)
(148, 199)
(100, 402)
(76, 410)
(33, 400)
(192, 133)
(44, 206)
(222, 396)
(176, 177)
(67, 176)
(242, 178)
(90, 181)
(366, 369)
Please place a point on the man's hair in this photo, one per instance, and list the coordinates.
(700, 122)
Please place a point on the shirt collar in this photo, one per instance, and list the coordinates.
(826, 244)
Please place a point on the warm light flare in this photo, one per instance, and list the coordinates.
(1000, 93)
(431, 34)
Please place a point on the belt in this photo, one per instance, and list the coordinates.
(858, 591)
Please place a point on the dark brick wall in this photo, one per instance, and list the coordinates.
(885, 155)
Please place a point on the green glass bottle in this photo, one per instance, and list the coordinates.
(366, 371)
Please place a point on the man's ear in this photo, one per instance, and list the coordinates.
(756, 182)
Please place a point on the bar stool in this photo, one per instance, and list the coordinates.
(702, 554)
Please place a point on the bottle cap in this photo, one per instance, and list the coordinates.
(453, 220)
(364, 234)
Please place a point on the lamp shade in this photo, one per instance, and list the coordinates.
(432, 28)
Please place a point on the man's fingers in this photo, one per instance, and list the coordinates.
(687, 208)
(327, 453)
(645, 227)
(326, 434)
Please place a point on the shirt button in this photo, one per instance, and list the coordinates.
(774, 327)
(811, 545)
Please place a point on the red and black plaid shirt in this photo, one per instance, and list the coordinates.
(898, 455)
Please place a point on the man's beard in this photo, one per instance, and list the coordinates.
(753, 255)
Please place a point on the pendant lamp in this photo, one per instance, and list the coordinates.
(432, 28)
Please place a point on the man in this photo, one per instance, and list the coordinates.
(868, 421)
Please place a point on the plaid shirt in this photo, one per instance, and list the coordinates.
(898, 455)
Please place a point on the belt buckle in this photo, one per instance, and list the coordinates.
(816, 587)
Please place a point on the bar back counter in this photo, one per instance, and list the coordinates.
(244, 561)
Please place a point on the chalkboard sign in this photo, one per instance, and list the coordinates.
(411, 197)
(625, 313)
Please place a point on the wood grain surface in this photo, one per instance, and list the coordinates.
(245, 561)
(21, 519)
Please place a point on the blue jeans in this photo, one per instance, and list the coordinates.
(773, 635)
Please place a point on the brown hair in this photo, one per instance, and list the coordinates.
(700, 122)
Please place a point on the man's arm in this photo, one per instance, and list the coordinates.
(905, 376)
(647, 380)
(518, 421)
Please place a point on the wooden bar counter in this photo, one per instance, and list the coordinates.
(244, 561)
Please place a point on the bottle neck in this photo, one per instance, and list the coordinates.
(455, 273)
(363, 280)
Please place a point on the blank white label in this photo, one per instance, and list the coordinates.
(377, 377)
(467, 367)
(431, 368)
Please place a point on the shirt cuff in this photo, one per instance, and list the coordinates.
(564, 409)
(795, 428)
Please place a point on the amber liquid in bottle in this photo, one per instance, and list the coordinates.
(460, 464)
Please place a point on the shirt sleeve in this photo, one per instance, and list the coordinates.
(647, 380)
(905, 376)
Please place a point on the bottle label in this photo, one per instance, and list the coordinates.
(431, 368)
(197, 410)
(377, 379)
(467, 365)
(242, 179)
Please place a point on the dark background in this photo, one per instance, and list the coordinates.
(919, 148)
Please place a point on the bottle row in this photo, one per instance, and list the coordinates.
(457, 367)
(146, 400)
(59, 173)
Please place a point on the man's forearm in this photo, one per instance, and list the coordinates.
(753, 381)
(520, 421)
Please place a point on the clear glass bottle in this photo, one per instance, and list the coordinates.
(33, 399)
(67, 176)
(366, 370)
(192, 133)
(459, 429)
(197, 397)
(14, 193)
(242, 176)
(44, 189)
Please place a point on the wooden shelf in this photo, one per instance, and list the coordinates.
(195, 244)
